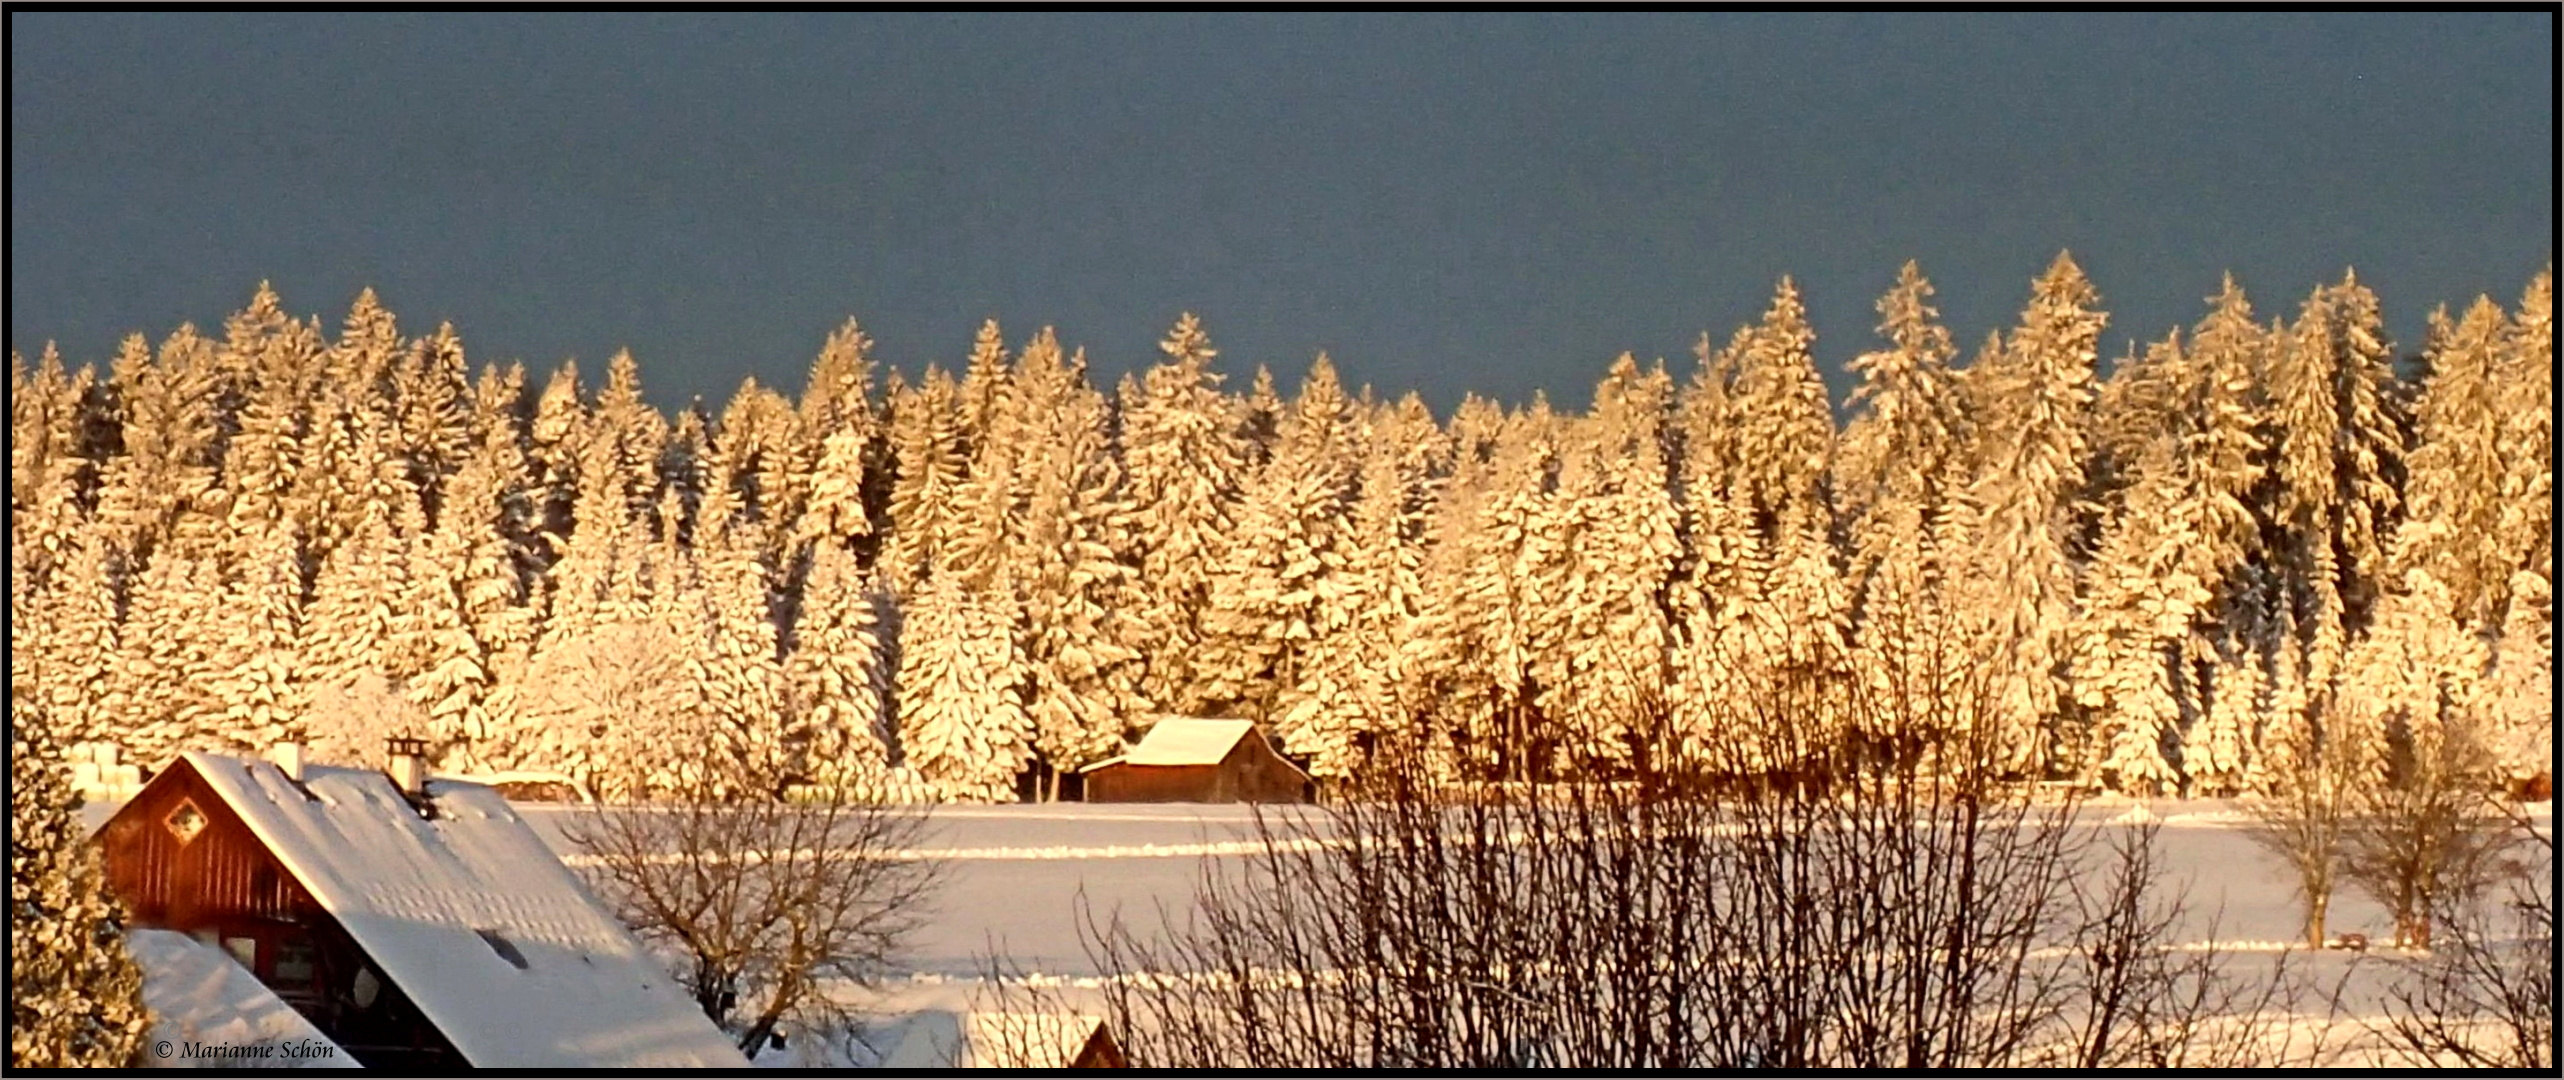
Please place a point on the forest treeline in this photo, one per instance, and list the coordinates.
(2256, 541)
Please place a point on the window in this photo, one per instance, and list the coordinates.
(296, 961)
(501, 945)
(184, 822)
(244, 950)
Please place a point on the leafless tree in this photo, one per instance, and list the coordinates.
(2484, 997)
(762, 901)
(2303, 818)
(2423, 831)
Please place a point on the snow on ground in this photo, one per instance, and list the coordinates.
(1015, 875)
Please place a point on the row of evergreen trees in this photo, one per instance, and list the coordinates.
(2254, 541)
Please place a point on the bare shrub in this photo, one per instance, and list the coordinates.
(763, 900)
(1824, 906)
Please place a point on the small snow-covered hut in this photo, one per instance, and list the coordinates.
(418, 923)
(1183, 759)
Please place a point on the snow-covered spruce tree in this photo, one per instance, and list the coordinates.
(75, 997)
(1260, 418)
(74, 633)
(997, 430)
(1272, 595)
(1076, 597)
(598, 576)
(1183, 463)
(2520, 692)
(1782, 414)
(2220, 424)
(360, 619)
(1900, 476)
(259, 687)
(929, 460)
(47, 474)
(2416, 672)
(2524, 532)
(165, 463)
(161, 701)
(2338, 450)
(2228, 351)
(1617, 560)
(1360, 670)
(2142, 596)
(551, 462)
(2457, 462)
(737, 656)
(467, 584)
(838, 672)
(353, 455)
(432, 402)
(837, 415)
(2522, 680)
(1499, 614)
(773, 458)
(962, 725)
(1764, 600)
(1445, 665)
(2028, 477)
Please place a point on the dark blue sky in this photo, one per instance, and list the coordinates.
(1444, 203)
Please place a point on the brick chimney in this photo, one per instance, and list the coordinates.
(408, 766)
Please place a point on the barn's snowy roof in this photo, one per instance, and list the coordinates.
(199, 994)
(1179, 740)
(440, 904)
(952, 1039)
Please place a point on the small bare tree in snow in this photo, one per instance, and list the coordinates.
(764, 903)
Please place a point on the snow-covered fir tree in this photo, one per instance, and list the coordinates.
(962, 725)
(1078, 601)
(1900, 476)
(2029, 474)
(1276, 590)
(1182, 464)
(838, 672)
(929, 462)
(836, 412)
(75, 997)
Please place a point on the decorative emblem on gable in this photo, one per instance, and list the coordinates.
(184, 822)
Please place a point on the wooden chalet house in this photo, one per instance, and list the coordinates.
(419, 923)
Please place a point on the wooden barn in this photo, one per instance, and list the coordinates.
(950, 1039)
(1189, 760)
(418, 923)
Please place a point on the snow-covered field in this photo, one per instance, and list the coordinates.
(1015, 874)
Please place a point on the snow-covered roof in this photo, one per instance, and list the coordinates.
(199, 994)
(952, 1039)
(1179, 740)
(433, 902)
